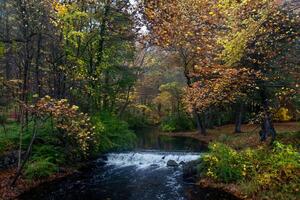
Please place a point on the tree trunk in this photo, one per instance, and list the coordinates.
(200, 125)
(267, 127)
(27, 153)
(37, 66)
(238, 118)
(209, 119)
(21, 136)
(106, 90)
(127, 102)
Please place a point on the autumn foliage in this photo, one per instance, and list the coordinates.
(235, 48)
(74, 125)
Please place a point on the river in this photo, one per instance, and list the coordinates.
(141, 174)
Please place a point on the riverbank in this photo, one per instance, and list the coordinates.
(8, 192)
(287, 133)
(266, 172)
(24, 184)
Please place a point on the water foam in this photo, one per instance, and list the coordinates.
(148, 159)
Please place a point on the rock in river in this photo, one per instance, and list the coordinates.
(190, 170)
(172, 163)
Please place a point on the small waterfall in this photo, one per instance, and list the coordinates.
(148, 159)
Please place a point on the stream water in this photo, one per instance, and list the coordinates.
(142, 174)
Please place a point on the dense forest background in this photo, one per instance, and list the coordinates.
(79, 77)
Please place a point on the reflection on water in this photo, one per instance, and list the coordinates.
(151, 139)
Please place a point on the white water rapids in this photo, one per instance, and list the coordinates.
(149, 158)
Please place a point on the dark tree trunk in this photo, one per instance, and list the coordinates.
(209, 119)
(238, 118)
(267, 127)
(200, 125)
(127, 102)
(99, 60)
(37, 66)
(106, 90)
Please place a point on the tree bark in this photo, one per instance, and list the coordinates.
(200, 125)
(37, 66)
(27, 153)
(267, 127)
(238, 118)
(100, 54)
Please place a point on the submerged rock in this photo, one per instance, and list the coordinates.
(172, 163)
(190, 170)
(182, 163)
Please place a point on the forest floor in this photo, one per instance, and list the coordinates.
(287, 133)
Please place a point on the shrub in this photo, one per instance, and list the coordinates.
(74, 126)
(40, 168)
(282, 115)
(112, 133)
(168, 127)
(51, 153)
(10, 140)
(263, 169)
(177, 123)
(137, 121)
(221, 163)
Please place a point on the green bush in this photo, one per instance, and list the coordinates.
(112, 133)
(222, 163)
(10, 140)
(168, 127)
(177, 123)
(52, 153)
(47, 153)
(40, 168)
(137, 121)
(255, 170)
(3, 119)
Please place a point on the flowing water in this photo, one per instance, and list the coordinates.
(138, 175)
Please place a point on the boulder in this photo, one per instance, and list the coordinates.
(190, 172)
(172, 163)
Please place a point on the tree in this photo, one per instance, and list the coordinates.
(265, 40)
(99, 47)
(190, 28)
(232, 42)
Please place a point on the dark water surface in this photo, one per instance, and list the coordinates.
(152, 139)
(138, 175)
